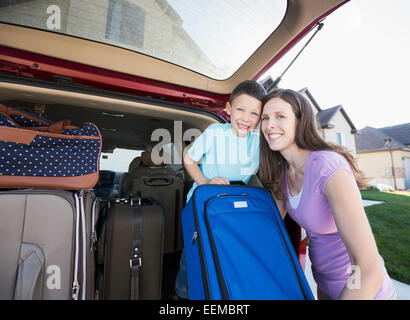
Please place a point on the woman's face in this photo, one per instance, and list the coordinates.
(278, 124)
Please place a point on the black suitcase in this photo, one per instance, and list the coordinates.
(168, 190)
(134, 244)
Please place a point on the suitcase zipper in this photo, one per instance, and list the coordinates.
(76, 285)
(194, 237)
(80, 220)
(84, 244)
(75, 290)
(204, 272)
(93, 239)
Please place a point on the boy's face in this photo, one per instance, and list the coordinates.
(245, 113)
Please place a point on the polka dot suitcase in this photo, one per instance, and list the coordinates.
(36, 153)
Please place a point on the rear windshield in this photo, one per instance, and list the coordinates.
(211, 37)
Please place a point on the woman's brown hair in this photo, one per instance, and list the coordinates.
(272, 163)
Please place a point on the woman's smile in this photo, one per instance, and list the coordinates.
(274, 136)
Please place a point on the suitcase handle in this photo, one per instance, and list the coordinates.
(158, 180)
(57, 127)
(4, 109)
(237, 182)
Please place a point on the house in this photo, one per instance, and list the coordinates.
(333, 124)
(384, 155)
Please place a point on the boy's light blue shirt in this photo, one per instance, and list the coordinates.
(225, 155)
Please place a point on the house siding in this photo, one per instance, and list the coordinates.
(342, 126)
(377, 166)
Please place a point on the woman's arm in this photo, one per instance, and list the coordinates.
(354, 229)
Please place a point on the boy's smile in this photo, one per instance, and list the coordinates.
(245, 112)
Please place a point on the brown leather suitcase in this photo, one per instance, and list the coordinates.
(133, 250)
(46, 244)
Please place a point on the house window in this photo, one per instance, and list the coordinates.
(125, 23)
(341, 138)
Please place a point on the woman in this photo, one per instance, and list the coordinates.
(318, 183)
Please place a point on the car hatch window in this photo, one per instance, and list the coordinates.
(212, 37)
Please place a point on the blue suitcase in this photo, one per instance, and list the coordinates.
(237, 247)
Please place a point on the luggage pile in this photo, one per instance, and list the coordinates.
(48, 213)
(57, 239)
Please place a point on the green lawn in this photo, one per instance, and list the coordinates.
(390, 223)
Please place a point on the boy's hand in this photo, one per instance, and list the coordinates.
(218, 180)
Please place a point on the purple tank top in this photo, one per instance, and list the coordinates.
(331, 265)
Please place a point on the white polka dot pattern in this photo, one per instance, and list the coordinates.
(5, 122)
(28, 122)
(51, 156)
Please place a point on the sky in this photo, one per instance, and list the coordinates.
(360, 60)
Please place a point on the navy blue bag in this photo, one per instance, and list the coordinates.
(237, 247)
(36, 153)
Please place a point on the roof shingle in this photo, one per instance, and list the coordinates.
(400, 132)
(371, 139)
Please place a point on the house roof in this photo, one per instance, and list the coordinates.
(400, 132)
(325, 116)
(311, 98)
(371, 139)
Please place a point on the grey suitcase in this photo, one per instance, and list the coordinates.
(134, 242)
(46, 244)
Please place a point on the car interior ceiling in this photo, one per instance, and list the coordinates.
(123, 123)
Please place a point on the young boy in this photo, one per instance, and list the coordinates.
(229, 152)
